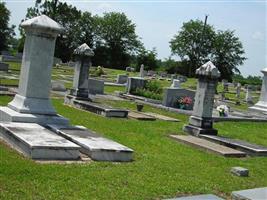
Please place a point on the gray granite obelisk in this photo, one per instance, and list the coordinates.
(83, 56)
(32, 103)
(261, 106)
(201, 120)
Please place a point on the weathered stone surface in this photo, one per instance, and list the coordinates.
(37, 142)
(95, 86)
(198, 197)
(140, 116)
(58, 86)
(249, 148)
(208, 146)
(83, 63)
(251, 194)
(239, 171)
(4, 67)
(249, 98)
(133, 83)
(162, 117)
(95, 146)
(261, 105)
(176, 83)
(204, 100)
(142, 75)
(122, 78)
(34, 87)
(171, 96)
(104, 110)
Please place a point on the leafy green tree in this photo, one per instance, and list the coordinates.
(69, 17)
(193, 43)
(196, 43)
(117, 38)
(6, 32)
(148, 59)
(227, 53)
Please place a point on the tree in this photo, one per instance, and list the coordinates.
(197, 43)
(6, 32)
(117, 38)
(193, 43)
(66, 15)
(227, 53)
(148, 59)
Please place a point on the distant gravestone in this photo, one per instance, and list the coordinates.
(225, 85)
(201, 120)
(95, 86)
(176, 83)
(238, 91)
(133, 83)
(142, 75)
(4, 66)
(261, 105)
(249, 99)
(83, 56)
(58, 86)
(122, 78)
(182, 78)
(173, 76)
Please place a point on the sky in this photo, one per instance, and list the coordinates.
(157, 21)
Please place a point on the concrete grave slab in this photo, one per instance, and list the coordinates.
(37, 142)
(251, 149)
(251, 194)
(93, 145)
(199, 197)
(140, 116)
(208, 146)
(240, 171)
(162, 117)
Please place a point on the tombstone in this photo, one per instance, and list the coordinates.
(238, 90)
(133, 83)
(176, 83)
(95, 86)
(122, 78)
(58, 86)
(262, 103)
(128, 69)
(32, 102)
(4, 66)
(225, 85)
(201, 120)
(248, 98)
(173, 76)
(142, 75)
(171, 96)
(83, 56)
(182, 78)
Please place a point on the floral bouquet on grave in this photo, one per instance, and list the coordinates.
(223, 110)
(184, 102)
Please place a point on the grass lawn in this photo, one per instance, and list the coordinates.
(161, 168)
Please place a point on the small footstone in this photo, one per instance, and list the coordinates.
(251, 194)
(239, 171)
(199, 197)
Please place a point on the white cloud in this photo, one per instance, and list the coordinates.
(104, 7)
(257, 35)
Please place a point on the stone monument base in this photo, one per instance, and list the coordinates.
(79, 93)
(9, 115)
(259, 107)
(198, 125)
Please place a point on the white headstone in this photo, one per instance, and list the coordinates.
(142, 71)
(249, 95)
(176, 83)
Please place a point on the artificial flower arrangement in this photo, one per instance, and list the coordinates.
(223, 110)
(184, 102)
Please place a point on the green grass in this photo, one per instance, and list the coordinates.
(162, 168)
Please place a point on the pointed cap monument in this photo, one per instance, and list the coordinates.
(42, 23)
(84, 50)
(209, 70)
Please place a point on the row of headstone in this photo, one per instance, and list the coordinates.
(10, 58)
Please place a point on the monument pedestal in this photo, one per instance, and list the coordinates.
(9, 115)
(199, 126)
(259, 107)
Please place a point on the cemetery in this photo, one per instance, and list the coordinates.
(75, 130)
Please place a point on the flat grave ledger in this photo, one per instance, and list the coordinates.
(93, 145)
(250, 194)
(37, 142)
(198, 197)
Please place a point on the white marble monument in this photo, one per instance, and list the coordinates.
(261, 106)
(32, 103)
(201, 120)
(248, 98)
(142, 73)
(176, 83)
